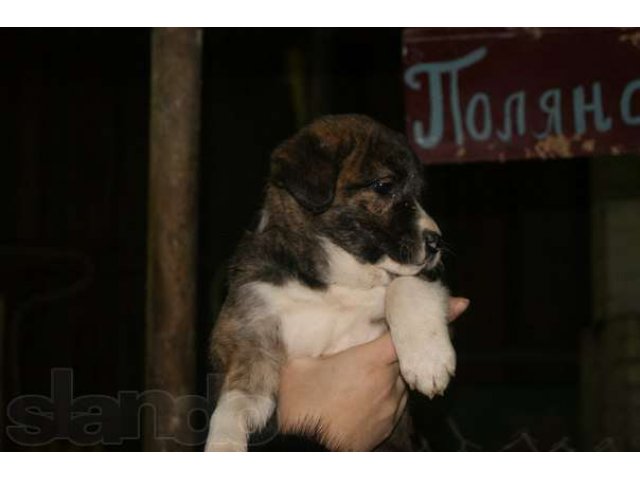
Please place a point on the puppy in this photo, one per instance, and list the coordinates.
(343, 251)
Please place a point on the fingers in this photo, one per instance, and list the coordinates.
(401, 406)
(457, 306)
(399, 396)
(400, 386)
(380, 350)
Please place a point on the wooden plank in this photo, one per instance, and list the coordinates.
(172, 234)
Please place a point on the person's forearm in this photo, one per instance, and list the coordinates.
(272, 439)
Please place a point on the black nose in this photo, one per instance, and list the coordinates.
(433, 241)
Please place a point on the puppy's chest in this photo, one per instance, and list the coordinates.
(314, 322)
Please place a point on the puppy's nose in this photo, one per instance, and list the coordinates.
(433, 241)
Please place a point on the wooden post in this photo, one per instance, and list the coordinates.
(611, 349)
(3, 383)
(172, 235)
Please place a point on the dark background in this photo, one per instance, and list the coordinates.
(74, 122)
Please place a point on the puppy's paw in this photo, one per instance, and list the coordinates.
(225, 446)
(429, 367)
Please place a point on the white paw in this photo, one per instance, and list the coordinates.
(225, 446)
(429, 367)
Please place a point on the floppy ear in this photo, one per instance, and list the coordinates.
(308, 169)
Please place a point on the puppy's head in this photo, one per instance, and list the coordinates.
(359, 184)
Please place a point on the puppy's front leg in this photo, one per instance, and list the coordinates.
(417, 316)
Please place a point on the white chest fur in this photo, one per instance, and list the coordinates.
(359, 304)
(320, 322)
(349, 312)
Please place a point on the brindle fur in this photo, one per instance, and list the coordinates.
(315, 189)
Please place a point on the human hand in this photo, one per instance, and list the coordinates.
(347, 401)
(350, 400)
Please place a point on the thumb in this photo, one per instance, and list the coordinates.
(457, 306)
(380, 349)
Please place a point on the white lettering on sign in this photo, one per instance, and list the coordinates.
(625, 103)
(517, 100)
(581, 107)
(474, 119)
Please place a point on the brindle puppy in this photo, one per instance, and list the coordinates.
(343, 252)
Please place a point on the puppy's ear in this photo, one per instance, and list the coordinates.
(307, 167)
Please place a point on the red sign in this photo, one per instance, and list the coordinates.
(500, 94)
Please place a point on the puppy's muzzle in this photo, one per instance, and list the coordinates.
(433, 242)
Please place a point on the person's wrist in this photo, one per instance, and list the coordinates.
(311, 428)
(295, 377)
(299, 381)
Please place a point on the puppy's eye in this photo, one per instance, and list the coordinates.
(382, 186)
